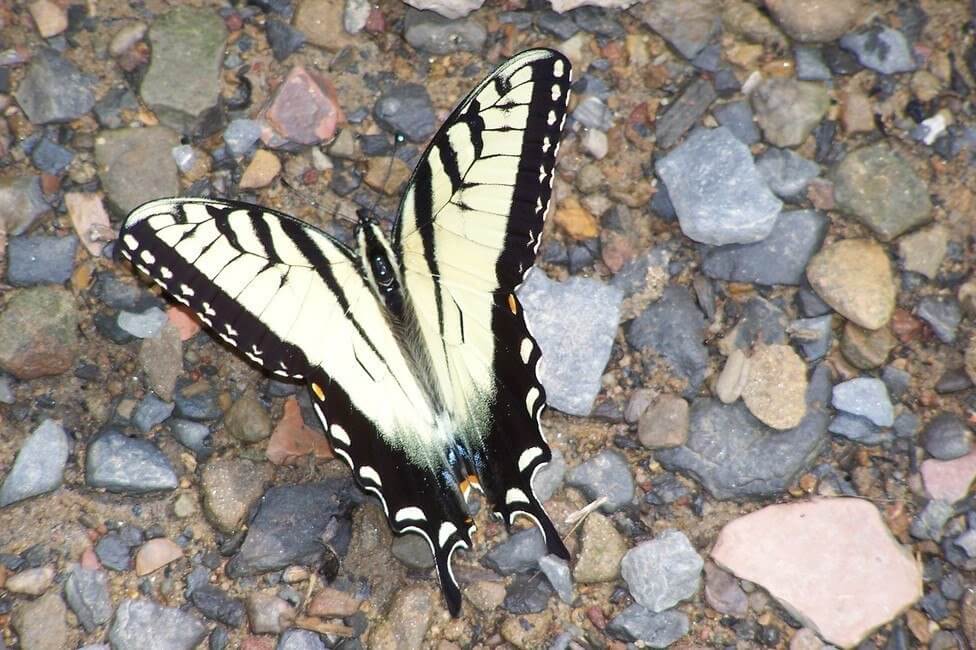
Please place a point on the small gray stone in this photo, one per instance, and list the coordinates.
(947, 437)
(688, 26)
(605, 475)
(135, 164)
(110, 109)
(549, 477)
(86, 591)
(195, 436)
(520, 552)
(928, 524)
(593, 113)
(786, 172)
(557, 572)
(781, 258)
(664, 423)
(21, 203)
(867, 397)
(430, 32)
(216, 604)
(39, 466)
(858, 429)
(562, 26)
(813, 335)
(295, 639)
(718, 194)
(810, 65)
(684, 112)
(407, 109)
(127, 465)
(788, 110)
(40, 259)
(143, 325)
(50, 157)
(196, 400)
(138, 622)
(413, 550)
(150, 412)
(737, 117)
(54, 89)
(161, 360)
(241, 136)
(967, 542)
(942, 314)
(574, 323)
(114, 552)
(527, 593)
(284, 39)
(662, 572)
(656, 630)
(881, 48)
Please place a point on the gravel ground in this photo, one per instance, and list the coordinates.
(755, 299)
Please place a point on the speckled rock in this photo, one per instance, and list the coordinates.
(662, 572)
(171, 628)
(815, 20)
(777, 385)
(39, 466)
(41, 624)
(854, 277)
(248, 419)
(787, 111)
(321, 22)
(602, 550)
(38, 332)
(136, 164)
(127, 465)
(229, 486)
(605, 475)
(161, 359)
(405, 624)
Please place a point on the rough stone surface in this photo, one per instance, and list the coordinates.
(86, 591)
(407, 109)
(854, 277)
(881, 48)
(947, 437)
(687, 26)
(602, 550)
(138, 620)
(303, 111)
(787, 111)
(40, 259)
(39, 466)
(21, 203)
(684, 112)
(135, 165)
(520, 552)
(41, 624)
(574, 323)
(655, 630)
(923, 251)
(664, 424)
(786, 172)
(662, 572)
(605, 475)
(229, 487)
(824, 561)
(718, 194)
(430, 32)
(448, 8)
(812, 21)
(406, 622)
(949, 480)
(54, 89)
(128, 465)
(38, 332)
(866, 397)
(776, 389)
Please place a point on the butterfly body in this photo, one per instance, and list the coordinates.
(414, 347)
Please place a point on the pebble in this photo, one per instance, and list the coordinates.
(196, 400)
(810, 65)
(664, 423)
(854, 277)
(924, 250)
(333, 603)
(942, 314)
(355, 15)
(39, 466)
(171, 628)
(195, 436)
(113, 552)
(549, 477)
(31, 582)
(216, 604)
(527, 593)
(867, 397)
(674, 328)
(561, 26)
(716, 190)
(304, 110)
(605, 475)
(576, 221)
(777, 385)
(182, 83)
(829, 538)
(813, 335)
(593, 113)
(967, 542)
(787, 110)
(858, 429)
(247, 419)
(127, 465)
(155, 554)
(406, 109)
(684, 112)
(662, 572)
(406, 622)
(574, 323)
(413, 551)
(135, 163)
(949, 480)
(144, 325)
(737, 117)
(816, 21)
(268, 614)
(54, 90)
(688, 26)
(114, 106)
(930, 522)
(287, 527)
(430, 32)
(40, 259)
(86, 591)
(881, 48)
(595, 143)
(284, 39)
(321, 21)
(723, 593)
(161, 361)
(229, 487)
(786, 172)
(40, 624)
(866, 349)
(292, 441)
(520, 552)
(602, 549)
(881, 190)
(90, 220)
(261, 171)
(21, 203)
(50, 157)
(557, 573)
(49, 18)
(654, 630)
(947, 437)
(241, 136)
(38, 332)
(127, 36)
(300, 640)
(735, 456)
(151, 412)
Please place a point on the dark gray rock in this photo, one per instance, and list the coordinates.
(867, 397)
(50, 157)
(21, 203)
(430, 32)
(684, 112)
(520, 552)
(413, 550)
(117, 294)
(605, 475)
(942, 314)
(109, 109)
(141, 623)
(674, 328)
(54, 89)
(284, 39)
(896, 381)
(858, 429)
(786, 172)
(196, 403)
(407, 109)
(87, 594)
(810, 303)
(737, 117)
(195, 436)
(686, 26)
(662, 572)
(288, 526)
(716, 190)
(528, 593)
(40, 259)
(656, 630)
(150, 412)
(39, 466)
(881, 48)
(947, 437)
(813, 335)
(810, 65)
(549, 477)
(562, 26)
(930, 522)
(218, 605)
(295, 639)
(113, 552)
(128, 465)
(598, 21)
(781, 258)
(734, 456)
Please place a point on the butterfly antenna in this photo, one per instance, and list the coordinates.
(308, 198)
(398, 139)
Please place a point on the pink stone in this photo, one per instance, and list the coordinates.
(292, 440)
(156, 553)
(184, 321)
(304, 110)
(90, 221)
(949, 480)
(830, 562)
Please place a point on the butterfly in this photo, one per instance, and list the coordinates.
(414, 347)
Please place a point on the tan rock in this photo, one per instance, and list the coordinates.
(864, 348)
(405, 625)
(854, 277)
(486, 595)
(262, 169)
(31, 582)
(41, 624)
(665, 423)
(155, 554)
(949, 480)
(856, 113)
(387, 178)
(923, 251)
(815, 21)
(527, 631)
(776, 390)
(321, 23)
(332, 603)
(49, 17)
(830, 562)
(733, 378)
(229, 487)
(603, 549)
(90, 220)
(576, 220)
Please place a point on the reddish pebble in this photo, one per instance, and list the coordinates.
(595, 614)
(234, 22)
(310, 177)
(156, 553)
(50, 184)
(184, 321)
(905, 326)
(332, 603)
(89, 560)
(304, 110)
(376, 22)
(258, 643)
(292, 440)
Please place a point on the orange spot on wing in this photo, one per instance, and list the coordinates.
(512, 304)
